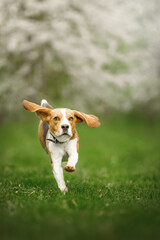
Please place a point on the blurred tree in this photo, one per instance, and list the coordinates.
(99, 54)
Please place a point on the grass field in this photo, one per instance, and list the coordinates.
(114, 193)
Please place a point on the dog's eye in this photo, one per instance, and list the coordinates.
(56, 118)
(71, 119)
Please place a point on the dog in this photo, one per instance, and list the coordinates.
(58, 136)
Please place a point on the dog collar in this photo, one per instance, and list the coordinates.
(54, 140)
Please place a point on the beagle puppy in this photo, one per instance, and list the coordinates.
(58, 136)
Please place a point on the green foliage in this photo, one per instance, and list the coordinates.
(123, 47)
(116, 66)
(56, 78)
(114, 193)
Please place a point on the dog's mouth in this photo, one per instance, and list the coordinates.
(64, 134)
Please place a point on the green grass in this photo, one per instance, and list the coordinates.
(114, 193)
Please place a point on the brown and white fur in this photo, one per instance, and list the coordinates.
(58, 135)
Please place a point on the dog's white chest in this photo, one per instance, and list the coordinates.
(61, 149)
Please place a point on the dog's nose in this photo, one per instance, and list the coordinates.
(65, 126)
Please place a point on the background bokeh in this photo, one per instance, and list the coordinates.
(90, 55)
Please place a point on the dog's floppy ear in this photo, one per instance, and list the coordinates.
(43, 112)
(90, 120)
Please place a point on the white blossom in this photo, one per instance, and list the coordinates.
(110, 50)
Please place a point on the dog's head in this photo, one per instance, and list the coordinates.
(61, 121)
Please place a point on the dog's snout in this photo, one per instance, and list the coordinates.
(65, 126)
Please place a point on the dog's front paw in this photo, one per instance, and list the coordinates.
(64, 190)
(69, 168)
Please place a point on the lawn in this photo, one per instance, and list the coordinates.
(113, 194)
